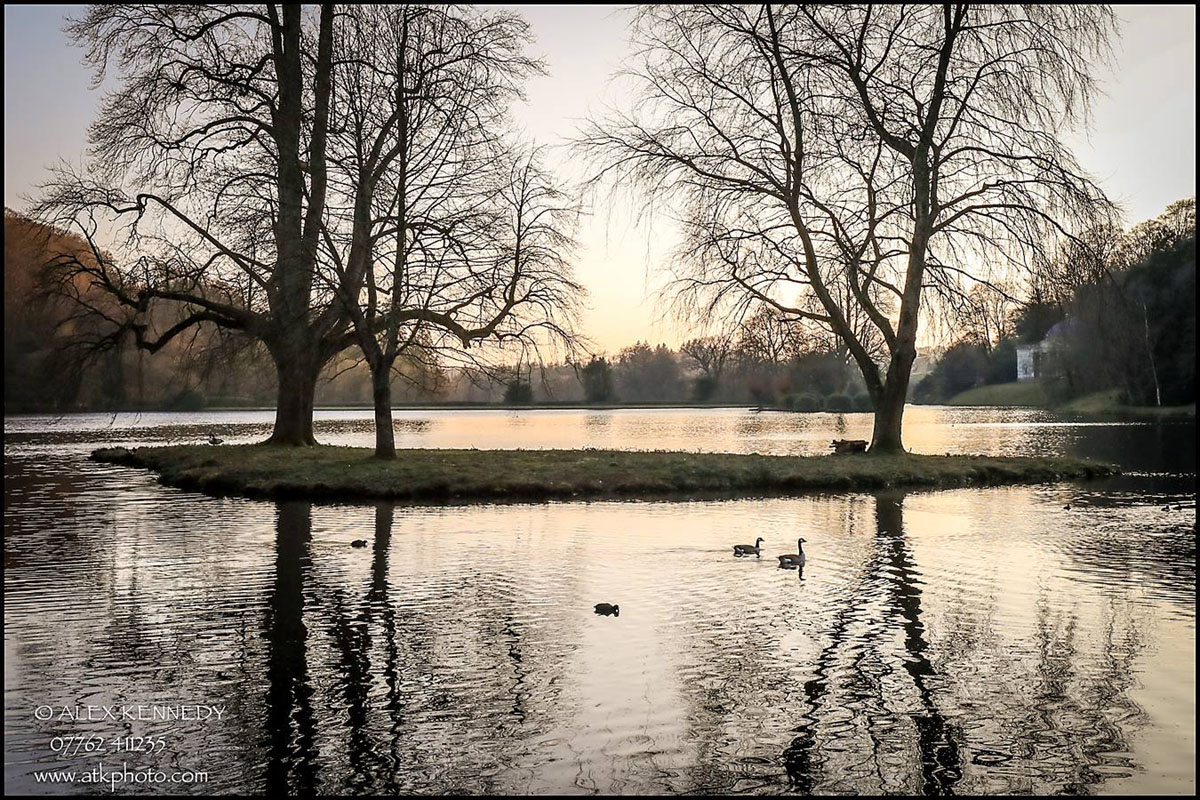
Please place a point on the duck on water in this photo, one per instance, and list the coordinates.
(749, 549)
(795, 559)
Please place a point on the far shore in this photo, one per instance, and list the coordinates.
(401, 407)
(1105, 404)
(426, 475)
(1098, 406)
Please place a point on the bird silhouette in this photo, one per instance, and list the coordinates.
(795, 559)
(748, 549)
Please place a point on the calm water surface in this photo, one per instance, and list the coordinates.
(968, 641)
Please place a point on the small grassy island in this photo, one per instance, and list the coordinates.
(346, 473)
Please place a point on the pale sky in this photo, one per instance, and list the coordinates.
(1142, 145)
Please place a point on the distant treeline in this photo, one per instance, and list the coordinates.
(1113, 310)
(56, 359)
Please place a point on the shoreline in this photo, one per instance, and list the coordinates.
(418, 407)
(1104, 405)
(345, 474)
(1069, 410)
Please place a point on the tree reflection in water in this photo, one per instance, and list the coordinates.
(1070, 738)
(450, 682)
(402, 688)
(291, 724)
(940, 766)
(992, 633)
(891, 574)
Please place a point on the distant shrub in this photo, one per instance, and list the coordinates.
(518, 392)
(704, 388)
(839, 403)
(807, 403)
(862, 402)
(186, 400)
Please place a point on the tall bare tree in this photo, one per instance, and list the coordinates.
(433, 193)
(837, 162)
(207, 181)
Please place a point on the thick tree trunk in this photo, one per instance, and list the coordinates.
(297, 378)
(889, 417)
(385, 437)
(889, 408)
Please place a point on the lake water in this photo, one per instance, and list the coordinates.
(967, 641)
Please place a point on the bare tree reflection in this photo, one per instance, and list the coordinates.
(352, 678)
(937, 741)
(512, 632)
(799, 757)
(291, 724)
(891, 575)
(379, 601)
(1079, 717)
(449, 682)
(405, 689)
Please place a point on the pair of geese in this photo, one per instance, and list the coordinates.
(795, 559)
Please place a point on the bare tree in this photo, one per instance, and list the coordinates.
(458, 238)
(502, 280)
(769, 336)
(270, 171)
(836, 162)
(711, 354)
(208, 179)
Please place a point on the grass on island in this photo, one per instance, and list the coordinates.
(343, 473)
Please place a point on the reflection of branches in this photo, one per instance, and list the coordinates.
(377, 601)
(798, 757)
(894, 573)
(444, 679)
(512, 632)
(940, 763)
(1080, 724)
(353, 644)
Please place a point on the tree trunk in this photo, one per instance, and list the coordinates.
(889, 416)
(297, 379)
(889, 408)
(385, 437)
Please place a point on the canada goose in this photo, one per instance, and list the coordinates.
(608, 610)
(214, 440)
(359, 543)
(747, 549)
(795, 559)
